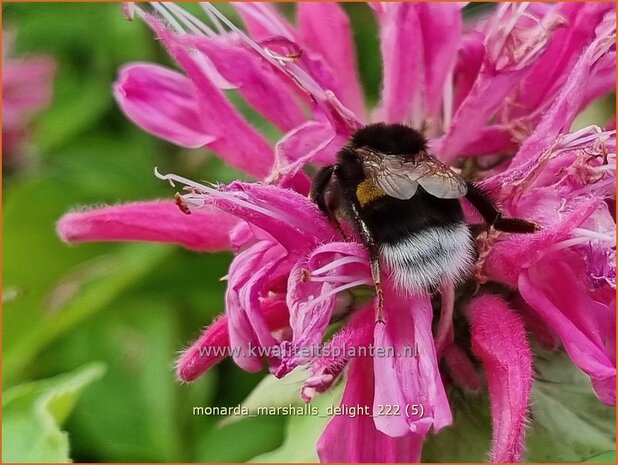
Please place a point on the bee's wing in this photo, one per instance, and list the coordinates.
(387, 173)
(438, 179)
(399, 177)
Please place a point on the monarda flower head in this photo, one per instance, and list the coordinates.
(27, 84)
(496, 99)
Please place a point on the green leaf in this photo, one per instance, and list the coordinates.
(605, 457)
(567, 421)
(238, 442)
(32, 414)
(139, 337)
(303, 432)
(469, 438)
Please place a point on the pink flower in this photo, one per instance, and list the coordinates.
(511, 84)
(26, 90)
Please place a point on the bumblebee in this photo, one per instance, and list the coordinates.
(404, 204)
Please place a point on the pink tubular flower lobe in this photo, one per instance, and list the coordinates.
(499, 340)
(159, 221)
(163, 102)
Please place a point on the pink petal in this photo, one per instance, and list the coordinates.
(308, 142)
(499, 340)
(535, 326)
(247, 279)
(603, 79)
(284, 215)
(236, 141)
(482, 101)
(256, 80)
(403, 81)
(408, 379)
(503, 68)
(551, 71)
(489, 140)
(213, 345)
(313, 77)
(415, 74)
(206, 229)
(310, 71)
(314, 142)
(556, 291)
(567, 105)
(444, 332)
(289, 217)
(356, 440)
(244, 235)
(310, 314)
(509, 256)
(469, 61)
(325, 29)
(263, 20)
(441, 38)
(537, 188)
(162, 102)
(128, 10)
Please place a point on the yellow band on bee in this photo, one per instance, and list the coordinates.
(367, 192)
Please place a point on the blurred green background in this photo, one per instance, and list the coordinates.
(112, 317)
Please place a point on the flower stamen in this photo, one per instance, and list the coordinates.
(327, 295)
(609, 237)
(159, 8)
(337, 263)
(196, 26)
(335, 278)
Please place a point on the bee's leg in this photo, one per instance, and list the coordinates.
(333, 219)
(374, 260)
(326, 193)
(492, 215)
(376, 275)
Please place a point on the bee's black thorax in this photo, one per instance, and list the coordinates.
(390, 138)
(387, 138)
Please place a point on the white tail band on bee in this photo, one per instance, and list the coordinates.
(430, 257)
